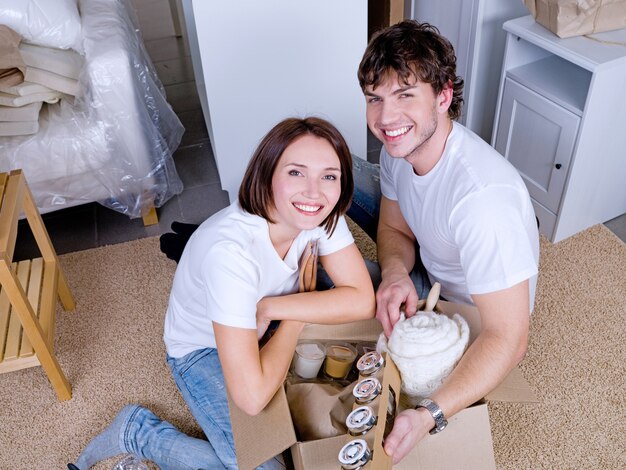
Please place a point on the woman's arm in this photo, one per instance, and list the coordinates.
(350, 300)
(252, 376)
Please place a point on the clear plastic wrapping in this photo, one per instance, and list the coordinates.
(113, 144)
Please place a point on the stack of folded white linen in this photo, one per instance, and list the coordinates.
(31, 75)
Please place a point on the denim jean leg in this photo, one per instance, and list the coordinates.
(151, 438)
(200, 380)
(419, 276)
(324, 282)
(366, 198)
(373, 268)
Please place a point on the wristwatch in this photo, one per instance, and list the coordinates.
(435, 412)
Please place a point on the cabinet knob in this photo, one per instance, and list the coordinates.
(558, 166)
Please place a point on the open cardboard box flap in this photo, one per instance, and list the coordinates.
(514, 387)
(259, 438)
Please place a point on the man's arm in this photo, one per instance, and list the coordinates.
(499, 347)
(396, 257)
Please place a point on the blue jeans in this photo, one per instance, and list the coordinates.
(364, 212)
(366, 198)
(200, 380)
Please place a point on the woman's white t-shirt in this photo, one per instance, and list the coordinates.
(228, 265)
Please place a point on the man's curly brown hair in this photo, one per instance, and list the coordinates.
(412, 50)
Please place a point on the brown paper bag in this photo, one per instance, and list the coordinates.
(319, 410)
(567, 18)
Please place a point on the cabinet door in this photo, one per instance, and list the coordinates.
(537, 136)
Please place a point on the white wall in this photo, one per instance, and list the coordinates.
(257, 62)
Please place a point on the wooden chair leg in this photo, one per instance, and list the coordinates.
(47, 250)
(151, 217)
(30, 324)
(42, 278)
(64, 293)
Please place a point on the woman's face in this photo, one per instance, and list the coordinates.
(306, 184)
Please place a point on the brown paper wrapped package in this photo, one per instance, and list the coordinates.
(12, 67)
(567, 18)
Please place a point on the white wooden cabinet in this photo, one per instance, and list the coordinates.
(561, 121)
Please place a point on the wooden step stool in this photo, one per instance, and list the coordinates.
(28, 289)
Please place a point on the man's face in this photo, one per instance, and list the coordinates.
(402, 116)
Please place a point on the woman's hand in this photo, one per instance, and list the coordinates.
(261, 328)
(262, 319)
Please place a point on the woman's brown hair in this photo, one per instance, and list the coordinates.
(412, 49)
(255, 193)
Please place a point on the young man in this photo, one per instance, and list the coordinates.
(453, 201)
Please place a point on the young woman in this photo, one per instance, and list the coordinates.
(238, 272)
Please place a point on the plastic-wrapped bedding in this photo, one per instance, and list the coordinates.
(113, 144)
(51, 23)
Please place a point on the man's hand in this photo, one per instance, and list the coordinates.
(409, 428)
(395, 290)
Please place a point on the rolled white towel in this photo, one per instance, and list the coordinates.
(426, 347)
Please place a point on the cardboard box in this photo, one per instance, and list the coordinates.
(259, 438)
(567, 18)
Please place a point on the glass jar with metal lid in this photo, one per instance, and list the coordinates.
(361, 420)
(370, 363)
(366, 390)
(354, 455)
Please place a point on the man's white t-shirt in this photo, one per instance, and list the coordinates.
(228, 265)
(471, 215)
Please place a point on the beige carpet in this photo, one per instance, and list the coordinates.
(112, 353)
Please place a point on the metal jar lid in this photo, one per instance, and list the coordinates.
(361, 420)
(354, 455)
(366, 390)
(370, 363)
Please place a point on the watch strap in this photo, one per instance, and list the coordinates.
(435, 411)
